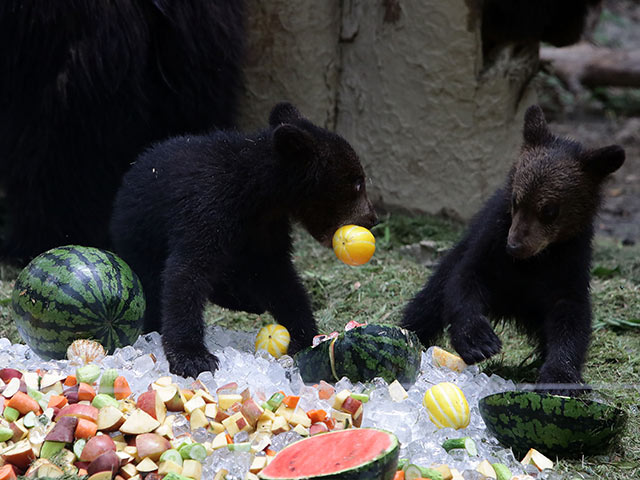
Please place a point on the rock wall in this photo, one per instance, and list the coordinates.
(435, 124)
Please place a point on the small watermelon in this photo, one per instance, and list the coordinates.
(353, 454)
(274, 339)
(76, 292)
(363, 353)
(554, 425)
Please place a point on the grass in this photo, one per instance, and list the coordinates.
(379, 290)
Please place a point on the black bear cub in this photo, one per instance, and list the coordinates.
(208, 218)
(526, 255)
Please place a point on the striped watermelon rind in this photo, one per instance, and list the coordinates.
(362, 354)
(554, 425)
(332, 448)
(73, 292)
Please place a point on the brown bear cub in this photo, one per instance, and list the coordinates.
(526, 255)
(208, 218)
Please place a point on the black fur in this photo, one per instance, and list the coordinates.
(558, 22)
(488, 276)
(85, 86)
(208, 218)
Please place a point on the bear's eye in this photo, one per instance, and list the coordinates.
(549, 212)
(514, 204)
(358, 185)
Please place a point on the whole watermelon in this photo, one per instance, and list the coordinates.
(363, 353)
(76, 292)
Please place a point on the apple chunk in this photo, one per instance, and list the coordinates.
(151, 403)
(138, 422)
(96, 446)
(109, 461)
(151, 445)
(110, 418)
(80, 410)
(19, 454)
(251, 411)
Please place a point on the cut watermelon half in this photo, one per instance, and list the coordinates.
(353, 454)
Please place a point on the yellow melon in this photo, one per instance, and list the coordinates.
(274, 339)
(354, 245)
(447, 406)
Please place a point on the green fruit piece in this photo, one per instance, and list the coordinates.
(37, 395)
(466, 443)
(172, 455)
(106, 381)
(196, 451)
(88, 373)
(29, 420)
(502, 471)
(175, 476)
(402, 463)
(5, 434)
(415, 471)
(78, 445)
(49, 448)
(183, 449)
(11, 414)
(275, 401)
(363, 397)
(238, 447)
(103, 400)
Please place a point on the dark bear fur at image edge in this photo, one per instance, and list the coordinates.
(526, 255)
(208, 218)
(85, 86)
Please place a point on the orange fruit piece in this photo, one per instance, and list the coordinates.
(354, 245)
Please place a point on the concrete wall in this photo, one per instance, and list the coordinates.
(403, 81)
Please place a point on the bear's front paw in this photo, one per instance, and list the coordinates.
(475, 340)
(190, 362)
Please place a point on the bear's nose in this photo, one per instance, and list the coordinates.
(514, 249)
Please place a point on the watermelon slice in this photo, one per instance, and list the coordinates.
(353, 454)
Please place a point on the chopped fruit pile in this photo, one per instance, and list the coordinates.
(90, 424)
(487, 470)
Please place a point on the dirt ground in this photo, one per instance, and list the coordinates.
(606, 116)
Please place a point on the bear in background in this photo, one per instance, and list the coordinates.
(208, 218)
(85, 86)
(525, 255)
(559, 23)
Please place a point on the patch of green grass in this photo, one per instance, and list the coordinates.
(8, 274)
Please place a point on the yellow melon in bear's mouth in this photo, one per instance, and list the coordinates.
(354, 245)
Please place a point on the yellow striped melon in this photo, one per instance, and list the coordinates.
(447, 406)
(274, 339)
(354, 245)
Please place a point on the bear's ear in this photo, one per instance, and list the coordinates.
(603, 161)
(283, 113)
(291, 142)
(535, 126)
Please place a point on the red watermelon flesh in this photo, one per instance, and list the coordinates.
(358, 453)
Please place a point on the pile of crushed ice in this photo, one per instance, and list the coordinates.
(421, 441)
